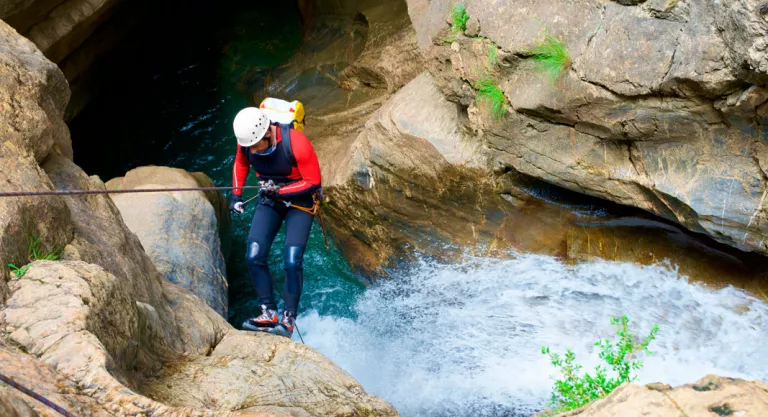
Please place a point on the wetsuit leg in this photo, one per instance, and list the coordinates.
(297, 227)
(266, 223)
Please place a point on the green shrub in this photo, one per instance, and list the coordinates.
(574, 391)
(459, 18)
(490, 94)
(551, 57)
(35, 252)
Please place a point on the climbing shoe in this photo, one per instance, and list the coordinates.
(287, 324)
(265, 322)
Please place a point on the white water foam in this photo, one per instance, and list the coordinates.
(465, 339)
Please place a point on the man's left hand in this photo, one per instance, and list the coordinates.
(270, 192)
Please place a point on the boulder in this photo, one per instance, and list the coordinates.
(178, 230)
(710, 396)
(85, 323)
(247, 369)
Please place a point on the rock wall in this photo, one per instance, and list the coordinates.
(412, 180)
(660, 107)
(33, 93)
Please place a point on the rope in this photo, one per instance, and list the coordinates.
(36, 396)
(145, 190)
(245, 229)
(311, 211)
(322, 227)
(315, 209)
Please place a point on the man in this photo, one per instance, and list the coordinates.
(293, 166)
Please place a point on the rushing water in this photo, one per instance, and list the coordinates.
(464, 338)
(437, 339)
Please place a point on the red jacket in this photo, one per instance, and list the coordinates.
(299, 179)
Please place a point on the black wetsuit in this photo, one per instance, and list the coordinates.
(295, 168)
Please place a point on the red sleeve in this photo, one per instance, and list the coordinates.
(239, 172)
(308, 166)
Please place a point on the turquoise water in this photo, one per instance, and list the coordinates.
(179, 113)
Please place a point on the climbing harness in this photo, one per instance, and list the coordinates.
(317, 197)
(245, 229)
(144, 190)
(35, 395)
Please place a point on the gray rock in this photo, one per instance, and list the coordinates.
(659, 109)
(84, 323)
(656, 111)
(178, 230)
(33, 94)
(743, 104)
(473, 27)
(511, 24)
(736, 396)
(629, 55)
(743, 29)
(674, 10)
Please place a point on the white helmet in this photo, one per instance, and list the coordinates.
(250, 126)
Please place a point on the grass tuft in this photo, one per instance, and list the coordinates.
(551, 57)
(490, 94)
(35, 252)
(459, 18)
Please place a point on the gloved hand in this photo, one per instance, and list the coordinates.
(270, 192)
(236, 204)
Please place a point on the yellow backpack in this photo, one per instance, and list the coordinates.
(284, 113)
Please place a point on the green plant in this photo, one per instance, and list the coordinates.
(493, 54)
(574, 390)
(35, 252)
(459, 18)
(551, 56)
(493, 97)
(19, 272)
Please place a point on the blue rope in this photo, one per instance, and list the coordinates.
(35, 395)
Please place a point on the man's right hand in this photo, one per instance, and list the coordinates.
(236, 204)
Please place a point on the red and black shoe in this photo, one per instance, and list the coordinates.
(287, 324)
(267, 321)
